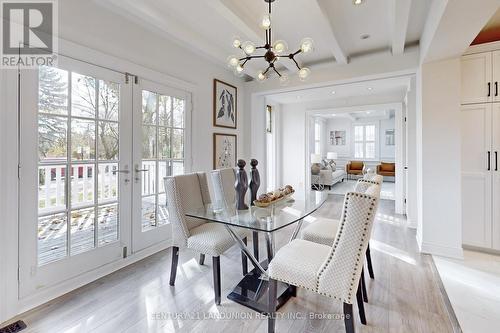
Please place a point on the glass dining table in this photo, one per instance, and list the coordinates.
(251, 291)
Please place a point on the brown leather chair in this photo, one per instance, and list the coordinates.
(354, 168)
(386, 169)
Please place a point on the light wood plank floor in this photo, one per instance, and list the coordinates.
(404, 297)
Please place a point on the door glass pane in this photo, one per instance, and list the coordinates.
(165, 111)
(177, 143)
(149, 177)
(358, 133)
(163, 172)
(107, 182)
(107, 221)
(82, 230)
(52, 244)
(51, 188)
(82, 185)
(83, 96)
(162, 209)
(148, 212)
(107, 142)
(52, 140)
(178, 119)
(148, 142)
(82, 139)
(164, 142)
(109, 100)
(177, 168)
(149, 107)
(52, 90)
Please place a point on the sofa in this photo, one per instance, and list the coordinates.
(355, 168)
(328, 178)
(386, 169)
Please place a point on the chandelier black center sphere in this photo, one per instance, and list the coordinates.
(274, 52)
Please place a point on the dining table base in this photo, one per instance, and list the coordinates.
(252, 291)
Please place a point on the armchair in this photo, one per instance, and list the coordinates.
(355, 168)
(330, 271)
(386, 169)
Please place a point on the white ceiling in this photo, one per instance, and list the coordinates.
(375, 114)
(335, 26)
(393, 89)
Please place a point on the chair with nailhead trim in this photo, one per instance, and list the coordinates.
(330, 271)
(323, 230)
(190, 192)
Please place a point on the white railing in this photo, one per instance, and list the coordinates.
(52, 186)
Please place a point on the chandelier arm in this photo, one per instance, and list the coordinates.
(267, 70)
(296, 63)
(251, 57)
(277, 71)
(295, 53)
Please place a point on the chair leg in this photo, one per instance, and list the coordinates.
(175, 261)
(348, 320)
(244, 260)
(272, 298)
(369, 261)
(361, 306)
(255, 242)
(216, 270)
(363, 286)
(202, 259)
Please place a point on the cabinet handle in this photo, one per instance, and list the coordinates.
(496, 161)
(489, 89)
(489, 158)
(496, 88)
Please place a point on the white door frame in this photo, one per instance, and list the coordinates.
(399, 156)
(160, 234)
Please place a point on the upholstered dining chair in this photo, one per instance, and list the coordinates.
(333, 271)
(323, 230)
(223, 181)
(190, 192)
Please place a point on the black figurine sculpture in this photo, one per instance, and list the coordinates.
(241, 185)
(254, 180)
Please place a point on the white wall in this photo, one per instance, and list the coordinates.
(92, 26)
(439, 217)
(383, 152)
(411, 155)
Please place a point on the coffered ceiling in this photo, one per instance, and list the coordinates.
(339, 28)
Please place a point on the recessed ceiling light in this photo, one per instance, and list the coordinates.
(364, 36)
(334, 92)
(369, 88)
(299, 97)
(368, 112)
(333, 115)
(357, 2)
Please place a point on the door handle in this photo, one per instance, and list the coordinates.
(496, 88)
(489, 158)
(489, 89)
(137, 170)
(496, 161)
(120, 171)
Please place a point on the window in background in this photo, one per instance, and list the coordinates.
(364, 141)
(317, 138)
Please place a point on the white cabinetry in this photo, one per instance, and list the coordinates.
(481, 77)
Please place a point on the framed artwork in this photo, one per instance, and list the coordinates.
(389, 137)
(225, 104)
(337, 138)
(224, 150)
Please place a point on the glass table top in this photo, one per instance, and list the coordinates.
(268, 219)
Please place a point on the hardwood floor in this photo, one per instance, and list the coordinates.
(404, 297)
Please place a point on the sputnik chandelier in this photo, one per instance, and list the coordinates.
(274, 52)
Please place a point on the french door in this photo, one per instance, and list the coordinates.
(94, 150)
(160, 150)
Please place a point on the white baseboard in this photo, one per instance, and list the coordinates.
(443, 251)
(411, 223)
(50, 293)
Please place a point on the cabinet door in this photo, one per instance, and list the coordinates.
(495, 90)
(477, 163)
(477, 86)
(495, 235)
